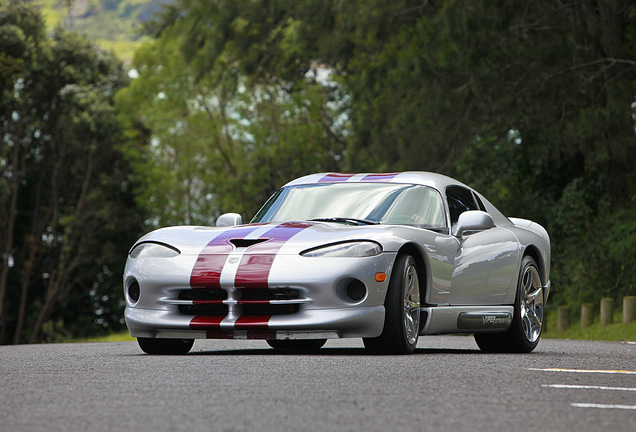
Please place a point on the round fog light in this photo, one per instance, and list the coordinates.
(356, 290)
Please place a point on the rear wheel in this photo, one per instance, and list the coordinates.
(525, 331)
(402, 305)
(165, 346)
(299, 345)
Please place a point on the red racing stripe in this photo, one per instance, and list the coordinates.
(207, 270)
(335, 177)
(380, 176)
(206, 322)
(253, 271)
(245, 322)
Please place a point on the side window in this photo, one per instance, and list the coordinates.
(480, 203)
(417, 206)
(459, 200)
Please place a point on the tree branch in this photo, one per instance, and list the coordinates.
(612, 61)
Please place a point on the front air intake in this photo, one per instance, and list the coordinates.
(204, 302)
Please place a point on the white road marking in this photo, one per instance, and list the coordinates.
(567, 386)
(627, 372)
(603, 406)
(591, 405)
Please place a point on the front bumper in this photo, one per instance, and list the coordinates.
(322, 308)
(308, 324)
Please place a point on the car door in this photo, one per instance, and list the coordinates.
(485, 262)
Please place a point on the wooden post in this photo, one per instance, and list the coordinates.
(607, 311)
(563, 319)
(629, 309)
(587, 315)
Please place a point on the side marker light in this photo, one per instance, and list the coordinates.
(380, 277)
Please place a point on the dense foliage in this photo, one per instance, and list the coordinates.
(68, 214)
(201, 142)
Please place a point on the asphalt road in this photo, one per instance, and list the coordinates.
(246, 386)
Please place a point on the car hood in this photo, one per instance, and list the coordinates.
(280, 238)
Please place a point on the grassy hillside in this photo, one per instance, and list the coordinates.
(113, 24)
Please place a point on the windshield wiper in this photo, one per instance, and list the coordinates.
(345, 220)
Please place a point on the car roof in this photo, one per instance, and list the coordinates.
(437, 181)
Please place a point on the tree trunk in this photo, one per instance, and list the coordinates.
(26, 279)
(8, 244)
(65, 264)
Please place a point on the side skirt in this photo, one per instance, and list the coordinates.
(465, 319)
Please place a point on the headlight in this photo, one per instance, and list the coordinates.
(345, 249)
(153, 250)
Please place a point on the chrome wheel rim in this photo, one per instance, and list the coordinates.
(411, 304)
(531, 304)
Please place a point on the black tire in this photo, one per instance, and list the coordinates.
(527, 323)
(402, 316)
(297, 345)
(165, 346)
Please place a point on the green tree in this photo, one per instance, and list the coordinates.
(221, 140)
(71, 215)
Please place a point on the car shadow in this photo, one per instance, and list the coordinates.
(326, 352)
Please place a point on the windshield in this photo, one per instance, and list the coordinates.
(384, 203)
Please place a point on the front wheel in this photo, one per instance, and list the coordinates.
(402, 306)
(525, 331)
(165, 346)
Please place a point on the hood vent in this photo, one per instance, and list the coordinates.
(245, 243)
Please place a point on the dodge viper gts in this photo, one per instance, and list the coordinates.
(384, 257)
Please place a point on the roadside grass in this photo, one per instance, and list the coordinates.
(617, 331)
(114, 337)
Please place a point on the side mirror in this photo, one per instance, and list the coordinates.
(472, 220)
(229, 220)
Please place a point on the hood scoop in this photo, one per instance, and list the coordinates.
(245, 243)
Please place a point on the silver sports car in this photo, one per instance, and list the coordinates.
(385, 257)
